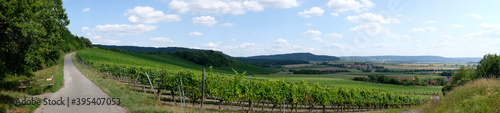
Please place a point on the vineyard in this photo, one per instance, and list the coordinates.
(197, 87)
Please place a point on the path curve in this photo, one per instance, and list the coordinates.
(76, 85)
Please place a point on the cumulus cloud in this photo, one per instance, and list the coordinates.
(86, 10)
(312, 33)
(227, 25)
(281, 43)
(340, 6)
(320, 40)
(85, 29)
(148, 15)
(424, 29)
(122, 29)
(195, 33)
(211, 45)
(493, 26)
(204, 21)
(333, 35)
(475, 15)
(162, 39)
(235, 7)
(430, 22)
(376, 29)
(314, 11)
(457, 25)
(369, 17)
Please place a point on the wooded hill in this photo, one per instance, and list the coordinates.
(298, 56)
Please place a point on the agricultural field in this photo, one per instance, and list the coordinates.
(329, 92)
(345, 79)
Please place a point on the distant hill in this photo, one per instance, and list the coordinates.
(298, 56)
(411, 59)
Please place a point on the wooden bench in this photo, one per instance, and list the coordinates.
(48, 79)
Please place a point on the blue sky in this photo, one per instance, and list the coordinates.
(447, 28)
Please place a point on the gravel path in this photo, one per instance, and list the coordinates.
(76, 85)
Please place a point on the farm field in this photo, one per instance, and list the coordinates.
(236, 88)
(345, 79)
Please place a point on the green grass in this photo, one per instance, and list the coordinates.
(133, 101)
(479, 96)
(341, 79)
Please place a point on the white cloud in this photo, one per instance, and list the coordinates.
(475, 15)
(85, 29)
(281, 43)
(336, 45)
(376, 29)
(195, 33)
(369, 17)
(314, 11)
(211, 45)
(309, 24)
(110, 42)
(457, 25)
(493, 26)
(86, 10)
(340, 6)
(227, 24)
(235, 7)
(312, 33)
(162, 39)
(122, 29)
(204, 21)
(334, 14)
(430, 22)
(232, 40)
(320, 40)
(424, 29)
(333, 35)
(148, 15)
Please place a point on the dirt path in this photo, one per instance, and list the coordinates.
(76, 85)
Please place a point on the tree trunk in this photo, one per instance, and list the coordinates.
(220, 103)
(173, 96)
(324, 109)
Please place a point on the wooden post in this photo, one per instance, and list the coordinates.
(136, 79)
(203, 89)
(150, 83)
(159, 89)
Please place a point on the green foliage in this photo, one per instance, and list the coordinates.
(207, 58)
(489, 66)
(32, 35)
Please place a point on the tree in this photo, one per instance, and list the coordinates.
(417, 80)
(489, 66)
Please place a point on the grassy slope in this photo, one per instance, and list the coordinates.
(479, 96)
(340, 79)
(168, 61)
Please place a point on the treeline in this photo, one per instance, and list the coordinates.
(269, 63)
(307, 71)
(405, 81)
(207, 58)
(488, 67)
(33, 35)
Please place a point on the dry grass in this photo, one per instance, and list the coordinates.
(479, 96)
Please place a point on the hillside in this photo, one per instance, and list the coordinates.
(479, 96)
(410, 59)
(170, 61)
(151, 49)
(298, 56)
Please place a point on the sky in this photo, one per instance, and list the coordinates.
(449, 28)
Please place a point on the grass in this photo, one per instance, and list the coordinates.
(341, 79)
(479, 96)
(7, 95)
(133, 101)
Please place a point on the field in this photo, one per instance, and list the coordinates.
(337, 91)
(345, 79)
